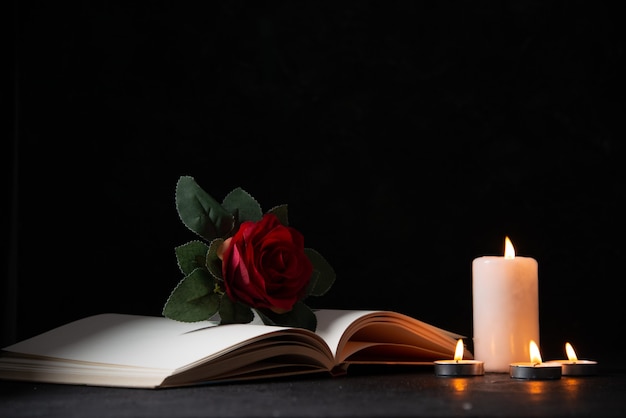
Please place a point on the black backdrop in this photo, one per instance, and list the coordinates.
(407, 138)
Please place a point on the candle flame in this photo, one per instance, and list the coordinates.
(571, 354)
(509, 251)
(535, 355)
(458, 353)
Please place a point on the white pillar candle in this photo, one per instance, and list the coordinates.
(505, 292)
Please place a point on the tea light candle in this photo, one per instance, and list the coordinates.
(458, 366)
(535, 369)
(575, 367)
(505, 292)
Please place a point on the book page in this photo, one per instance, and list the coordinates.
(112, 348)
(384, 336)
(333, 323)
(140, 341)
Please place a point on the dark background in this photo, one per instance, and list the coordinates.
(407, 137)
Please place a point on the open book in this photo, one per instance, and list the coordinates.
(156, 352)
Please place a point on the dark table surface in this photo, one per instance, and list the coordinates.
(364, 392)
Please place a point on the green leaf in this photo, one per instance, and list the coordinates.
(200, 212)
(242, 206)
(191, 256)
(193, 299)
(323, 275)
(234, 312)
(213, 263)
(301, 316)
(281, 213)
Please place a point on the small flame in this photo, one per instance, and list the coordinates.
(458, 353)
(509, 251)
(535, 355)
(571, 354)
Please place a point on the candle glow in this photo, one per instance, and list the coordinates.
(509, 250)
(535, 355)
(571, 354)
(458, 352)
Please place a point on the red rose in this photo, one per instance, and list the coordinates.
(264, 265)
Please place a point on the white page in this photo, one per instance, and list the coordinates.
(142, 341)
(332, 323)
